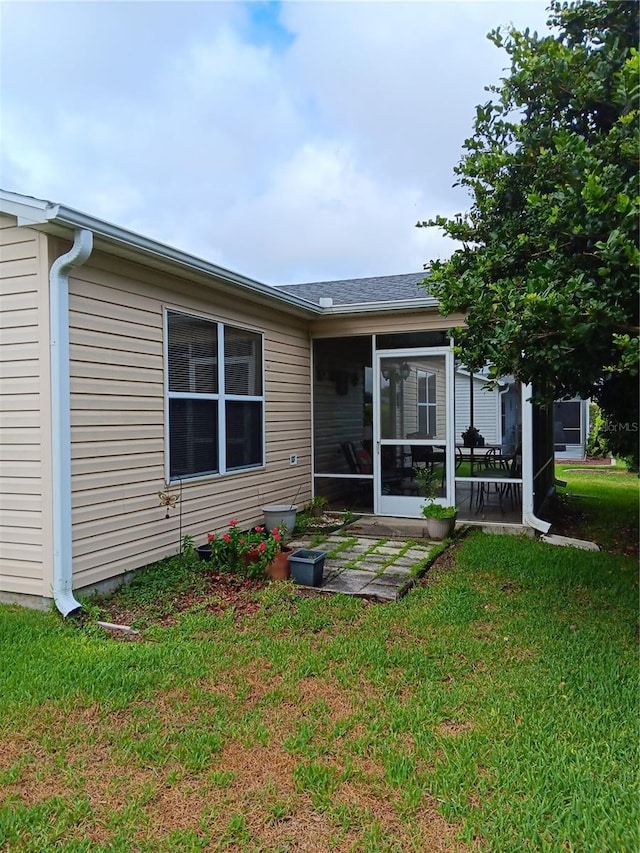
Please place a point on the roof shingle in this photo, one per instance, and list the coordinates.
(358, 291)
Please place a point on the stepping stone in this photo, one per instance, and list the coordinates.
(349, 582)
(382, 591)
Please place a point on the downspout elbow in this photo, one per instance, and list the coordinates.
(82, 247)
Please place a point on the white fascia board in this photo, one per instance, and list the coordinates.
(387, 306)
(27, 210)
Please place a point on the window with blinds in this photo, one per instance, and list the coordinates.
(215, 404)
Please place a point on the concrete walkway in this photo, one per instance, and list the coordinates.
(378, 566)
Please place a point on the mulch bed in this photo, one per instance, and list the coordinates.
(216, 593)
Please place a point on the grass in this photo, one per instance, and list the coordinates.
(493, 709)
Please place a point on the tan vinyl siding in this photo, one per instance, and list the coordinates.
(25, 520)
(398, 321)
(118, 428)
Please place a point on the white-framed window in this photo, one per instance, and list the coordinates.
(215, 396)
(568, 421)
(426, 402)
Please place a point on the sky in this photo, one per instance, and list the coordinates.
(287, 141)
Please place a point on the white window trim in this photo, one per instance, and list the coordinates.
(430, 406)
(220, 397)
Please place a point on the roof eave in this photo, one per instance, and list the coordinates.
(46, 215)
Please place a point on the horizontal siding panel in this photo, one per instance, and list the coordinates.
(11, 435)
(108, 479)
(19, 420)
(95, 338)
(16, 486)
(90, 393)
(101, 418)
(11, 351)
(79, 305)
(19, 402)
(19, 285)
(18, 501)
(89, 571)
(110, 326)
(17, 319)
(24, 368)
(102, 359)
(109, 402)
(132, 371)
(23, 552)
(18, 453)
(98, 286)
(123, 463)
(118, 432)
(12, 233)
(125, 447)
(20, 385)
(27, 519)
(21, 577)
(21, 268)
(18, 535)
(124, 492)
(11, 468)
(24, 250)
(19, 336)
(20, 301)
(120, 512)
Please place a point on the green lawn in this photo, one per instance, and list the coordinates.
(494, 708)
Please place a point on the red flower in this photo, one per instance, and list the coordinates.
(262, 547)
(275, 530)
(233, 522)
(242, 541)
(276, 535)
(211, 537)
(226, 537)
(259, 529)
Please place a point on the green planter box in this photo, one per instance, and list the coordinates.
(306, 567)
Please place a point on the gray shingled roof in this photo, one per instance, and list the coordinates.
(356, 291)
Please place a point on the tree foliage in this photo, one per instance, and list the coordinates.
(548, 269)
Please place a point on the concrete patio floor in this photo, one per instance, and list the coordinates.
(381, 563)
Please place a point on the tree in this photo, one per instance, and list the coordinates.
(548, 269)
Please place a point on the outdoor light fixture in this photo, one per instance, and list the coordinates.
(403, 372)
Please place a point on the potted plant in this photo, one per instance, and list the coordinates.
(255, 552)
(317, 506)
(472, 437)
(440, 519)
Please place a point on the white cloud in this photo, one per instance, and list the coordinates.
(285, 162)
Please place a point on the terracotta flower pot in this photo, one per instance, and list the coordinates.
(251, 556)
(278, 568)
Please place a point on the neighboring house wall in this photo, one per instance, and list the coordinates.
(25, 447)
(117, 416)
(486, 409)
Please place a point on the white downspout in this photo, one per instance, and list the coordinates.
(528, 515)
(61, 418)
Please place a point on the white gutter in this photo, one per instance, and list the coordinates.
(528, 515)
(386, 306)
(61, 419)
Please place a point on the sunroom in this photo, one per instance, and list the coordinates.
(389, 406)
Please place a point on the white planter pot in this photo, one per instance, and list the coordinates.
(440, 528)
(280, 515)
